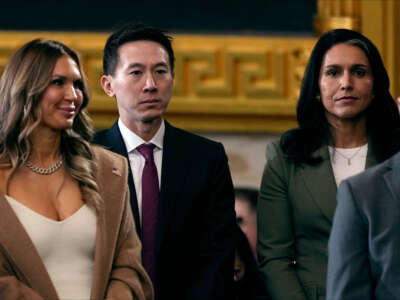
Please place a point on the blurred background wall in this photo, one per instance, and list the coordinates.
(239, 63)
(206, 16)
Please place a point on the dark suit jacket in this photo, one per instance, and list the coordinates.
(118, 273)
(295, 212)
(364, 259)
(196, 217)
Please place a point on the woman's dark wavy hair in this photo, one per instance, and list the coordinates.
(382, 115)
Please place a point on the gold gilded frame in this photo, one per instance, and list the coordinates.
(222, 83)
(236, 83)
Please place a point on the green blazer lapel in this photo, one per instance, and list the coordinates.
(372, 157)
(320, 182)
(24, 257)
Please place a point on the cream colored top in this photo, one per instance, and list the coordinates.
(347, 162)
(66, 248)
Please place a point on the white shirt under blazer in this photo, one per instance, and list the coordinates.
(66, 247)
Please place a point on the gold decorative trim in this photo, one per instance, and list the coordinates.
(236, 83)
(337, 14)
(223, 83)
(380, 22)
(323, 24)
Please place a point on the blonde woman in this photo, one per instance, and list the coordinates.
(66, 230)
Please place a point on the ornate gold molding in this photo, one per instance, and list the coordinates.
(223, 83)
(380, 22)
(236, 83)
(337, 14)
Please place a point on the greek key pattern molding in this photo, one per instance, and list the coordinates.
(222, 83)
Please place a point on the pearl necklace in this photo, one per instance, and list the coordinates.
(44, 171)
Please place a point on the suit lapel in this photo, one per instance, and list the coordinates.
(173, 172)
(108, 225)
(321, 183)
(114, 140)
(320, 180)
(372, 157)
(100, 277)
(392, 177)
(116, 144)
(23, 253)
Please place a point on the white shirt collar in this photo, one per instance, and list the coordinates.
(132, 140)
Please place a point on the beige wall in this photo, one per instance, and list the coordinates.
(246, 154)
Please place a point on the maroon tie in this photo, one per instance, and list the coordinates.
(149, 208)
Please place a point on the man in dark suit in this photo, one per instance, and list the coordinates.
(364, 262)
(193, 253)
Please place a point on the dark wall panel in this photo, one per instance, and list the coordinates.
(202, 16)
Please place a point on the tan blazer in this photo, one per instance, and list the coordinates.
(118, 273)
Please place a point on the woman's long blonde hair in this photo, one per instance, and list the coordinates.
(25, 78)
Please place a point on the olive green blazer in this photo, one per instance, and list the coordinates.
(295, 212)
(118, 273)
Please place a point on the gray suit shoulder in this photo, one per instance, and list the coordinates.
(376, 172)
(367, 186)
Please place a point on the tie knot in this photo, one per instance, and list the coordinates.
(147, 151)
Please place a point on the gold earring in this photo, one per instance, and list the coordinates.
(318, 97)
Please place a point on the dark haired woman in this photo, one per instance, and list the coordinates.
(66, 229)
(348, 121)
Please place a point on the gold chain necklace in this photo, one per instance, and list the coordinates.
(44, 171)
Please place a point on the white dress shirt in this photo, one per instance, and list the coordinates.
(137, 161)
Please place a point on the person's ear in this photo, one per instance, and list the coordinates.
(105, 82)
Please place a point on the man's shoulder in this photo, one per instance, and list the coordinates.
(191, 138)
(101, 133)
(107, 137)
(101, 136)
